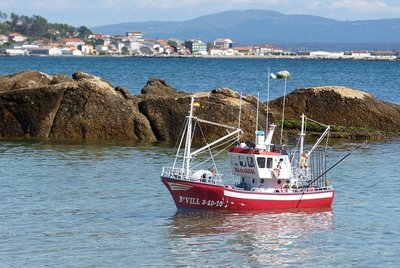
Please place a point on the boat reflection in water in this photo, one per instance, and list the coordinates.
(273, 238)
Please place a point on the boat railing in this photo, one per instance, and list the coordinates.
(322, 184)
(177, 173)
(300, 189)
(181, 174)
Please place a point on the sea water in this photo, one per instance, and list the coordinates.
(78, 204)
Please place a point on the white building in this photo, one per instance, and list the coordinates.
(71, 52)
(132, 45)
(86, 49)
(268, 49)
(221, 52)
(360, 54)
(326, 54)
(16, 51)
(45, 51)
(101, 49)
(223, 43)
(137, 36)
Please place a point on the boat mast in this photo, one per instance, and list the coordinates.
(302, 135)
(257, 107)
(267, 122)
(188, 143)
(283, 109)
(240, 114)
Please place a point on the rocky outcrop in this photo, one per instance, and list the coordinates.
(341, 106)
(167, 113)
(158, 88)
(34, 104)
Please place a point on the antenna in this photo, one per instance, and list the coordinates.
(266, 121)
(188, 142)
(283, 109)
(240, 112)
(283, 75)
(258, 106)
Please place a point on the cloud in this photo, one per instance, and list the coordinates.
(360, 5)
(173, 4)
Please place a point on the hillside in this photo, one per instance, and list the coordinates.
(264, 26)
(37, 27)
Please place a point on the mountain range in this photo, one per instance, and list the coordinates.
(255, 26)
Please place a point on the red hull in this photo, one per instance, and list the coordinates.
(194, 195)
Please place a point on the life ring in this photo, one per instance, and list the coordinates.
(276, 172)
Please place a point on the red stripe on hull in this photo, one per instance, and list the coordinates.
(193, 195)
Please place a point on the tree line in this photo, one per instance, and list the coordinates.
(37, 27)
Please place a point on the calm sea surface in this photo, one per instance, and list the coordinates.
(103, 205)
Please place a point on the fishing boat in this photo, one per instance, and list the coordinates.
(268, 176)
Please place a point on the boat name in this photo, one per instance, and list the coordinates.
(197, 201)
(245, 170)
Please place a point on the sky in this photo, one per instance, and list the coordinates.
(92, 13)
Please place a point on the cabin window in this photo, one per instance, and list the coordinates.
(242, 161)
(269, 162)
(261, 162)
(250, 161)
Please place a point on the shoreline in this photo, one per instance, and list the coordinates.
(269, 57)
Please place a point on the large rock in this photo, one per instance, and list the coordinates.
(340, 106)
(167, 114)
(33, 104)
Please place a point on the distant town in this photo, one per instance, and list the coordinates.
(134, 44)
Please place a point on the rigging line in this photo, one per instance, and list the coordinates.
(326, 171)
(215, 147)
(240, 113)
(214, 123)
(198, 121)
(283, 109)
(191, 138)
(222, 150)
(209, 149)
(204, 137)
(257, 107)
(267, 119)
(183, 126)
(178, 149)
(334, 165)
(219, 145)
(295, 149)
